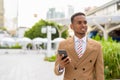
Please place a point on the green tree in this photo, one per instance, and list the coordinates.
(3, 28)
(35, 31)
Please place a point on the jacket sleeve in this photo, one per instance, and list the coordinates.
(56, 66)
(99, 66)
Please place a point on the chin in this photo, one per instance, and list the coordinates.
(83, 32)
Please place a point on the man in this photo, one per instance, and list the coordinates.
(85, 59)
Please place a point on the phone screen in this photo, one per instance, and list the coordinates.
(60, 52)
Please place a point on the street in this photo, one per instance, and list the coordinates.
(26, 67)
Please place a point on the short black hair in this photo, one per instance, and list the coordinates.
(76, 14)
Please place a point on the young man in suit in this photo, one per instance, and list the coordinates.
(85, 58)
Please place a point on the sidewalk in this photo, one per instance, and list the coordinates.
(26, 67)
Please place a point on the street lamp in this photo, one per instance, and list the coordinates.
(49, 30)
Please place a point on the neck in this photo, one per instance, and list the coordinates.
(80, 36)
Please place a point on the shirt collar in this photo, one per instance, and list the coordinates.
(76, 38)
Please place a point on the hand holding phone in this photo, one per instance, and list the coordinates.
(62, 52)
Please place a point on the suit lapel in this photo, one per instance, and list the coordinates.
(86, 53)
(71, 50)
(73, 55)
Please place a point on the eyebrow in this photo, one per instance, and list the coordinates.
(81, 22)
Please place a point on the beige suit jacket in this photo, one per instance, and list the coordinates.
(89, 67)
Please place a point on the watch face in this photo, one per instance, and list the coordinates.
(60, 69)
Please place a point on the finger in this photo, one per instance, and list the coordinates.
(59, 57)
(67, 62)
(67, 58)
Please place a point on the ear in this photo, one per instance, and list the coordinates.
(71, 26)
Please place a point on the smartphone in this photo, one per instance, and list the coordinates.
(60, 52)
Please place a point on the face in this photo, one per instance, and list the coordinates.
(79, 26)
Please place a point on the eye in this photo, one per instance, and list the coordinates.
(82, 22)
(85, 22)
(79, 22)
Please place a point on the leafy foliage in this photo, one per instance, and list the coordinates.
(50, 59)
(111, 53)
(3, 28)
(35, 31)
(16, 46)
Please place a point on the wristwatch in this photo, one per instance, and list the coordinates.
(60, 69)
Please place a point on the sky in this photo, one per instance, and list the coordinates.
(25, 9)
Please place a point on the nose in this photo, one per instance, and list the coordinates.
(84, 25)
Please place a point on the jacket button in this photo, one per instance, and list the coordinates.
(83, 69)
(90, 60)
(75, 68)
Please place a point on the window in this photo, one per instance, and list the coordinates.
(118, 5)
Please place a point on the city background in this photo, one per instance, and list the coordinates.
(18, 16)
(30, 32)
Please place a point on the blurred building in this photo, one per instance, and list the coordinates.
(60, 17)
(1, 13)
(4, 34)
(53, 14)
(109, 13)
(70, 10)
(104, 19)
(21, 31)
(110, 8)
